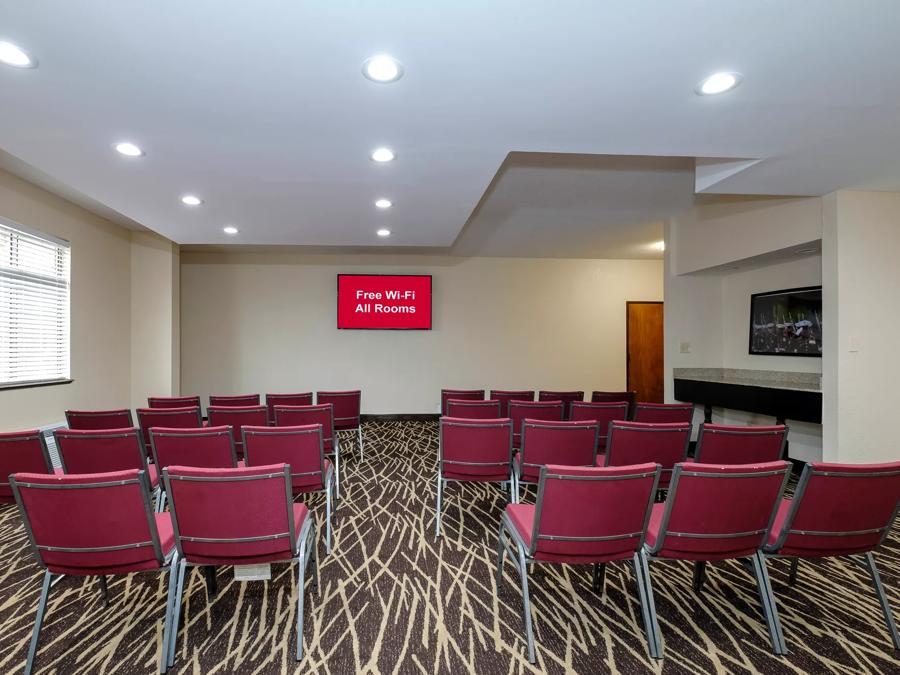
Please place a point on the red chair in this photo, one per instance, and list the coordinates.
(838, 510)
(628, 397)
(583, 516)
(715, 513)
(346, 412)
(567, 397)
(170, 418)
(239, 517)
(721, 444)
(473, 451)
(102, 451)
(236, 417)
(240, 400)
(272, 400)
(107, 529)
(637, 442)
(303, 450)
(664, 413)
(506, 396)
(473, 410)
(534, 410)
(561, 443)
(603, 414)
(304, 415)
(459, 395)
(99, 419)
(22, 452)
(173, 402)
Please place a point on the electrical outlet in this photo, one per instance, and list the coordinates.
(685, 347)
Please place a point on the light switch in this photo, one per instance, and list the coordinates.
(853, 343)
(685, 347)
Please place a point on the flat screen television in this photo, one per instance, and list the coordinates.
(787, 323)
(384, 301)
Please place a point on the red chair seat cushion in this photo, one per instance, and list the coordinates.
(601, 459)
(153, 475)
(300, 484)
(522, 518)
(166, 532)
(527, 474)
(778, 523)
(653, 526)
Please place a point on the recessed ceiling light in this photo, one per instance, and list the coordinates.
(15, 56)
(718, 83)
(382, 68)
(129, 149)
(230, 229)
(383, 233)
(191, 200)
(383, 155)
(384, 203)
(659, 245)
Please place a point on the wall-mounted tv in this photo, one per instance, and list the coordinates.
(787, 323)
(384, 301)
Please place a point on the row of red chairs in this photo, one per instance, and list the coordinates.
(237, 516)
(506, 396)
(728, 502)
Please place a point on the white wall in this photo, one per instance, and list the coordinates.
(266, 323)
(100, 308)
(861, 247)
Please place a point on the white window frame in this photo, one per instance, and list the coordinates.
(12, 280)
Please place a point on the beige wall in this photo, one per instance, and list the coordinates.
(155, 337)
(266, 322)
(862, 366)
(100, 310)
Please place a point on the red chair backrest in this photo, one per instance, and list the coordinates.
(301, 448)
(602, 413)
(628, 397)
(232, 516)
(272, 400)
(475, 410)
(172, 418)
(99, 419)
(236, 417)
(90, 524)
(637, 442)
(173, 402)
(721, 444)
(459, 395)
(562, 443)
(346, 404)
(209, 447)
(567, 397)
(481, 448)
(716, 512)
(87, 451)
(303, 415)
(238, 400)
(505, 396)
(591, 514)
(533, 410)
(663, 413)
(22, 452)
(840, 509)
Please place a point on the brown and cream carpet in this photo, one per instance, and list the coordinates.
(395, 600)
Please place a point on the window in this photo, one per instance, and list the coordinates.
(34, 307)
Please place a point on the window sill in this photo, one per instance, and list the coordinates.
(29, 385)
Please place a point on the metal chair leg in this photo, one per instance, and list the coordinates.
(161, 501)
(301, 563)
(437, 515)
(176, 610)
(337, 469)
(501, 555)
(328, 518)
(699, 575)
(315, 556)
(792, 575)
(599, 577)
(359, 434)
(104, 590)
(170, 606)
(882, 598)
(523, 573)
(770, 612)
(648, 610)
(38, 621)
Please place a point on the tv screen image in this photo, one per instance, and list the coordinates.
(787, 323)
(384, 301)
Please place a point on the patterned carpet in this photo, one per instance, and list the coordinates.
(394, 600)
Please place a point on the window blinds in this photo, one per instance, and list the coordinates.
(34, 307)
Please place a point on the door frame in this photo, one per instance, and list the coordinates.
(628, 304)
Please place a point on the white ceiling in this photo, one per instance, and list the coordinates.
(260, 108)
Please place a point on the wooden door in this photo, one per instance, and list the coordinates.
(645, 350)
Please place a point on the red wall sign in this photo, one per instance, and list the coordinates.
(382, 301)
